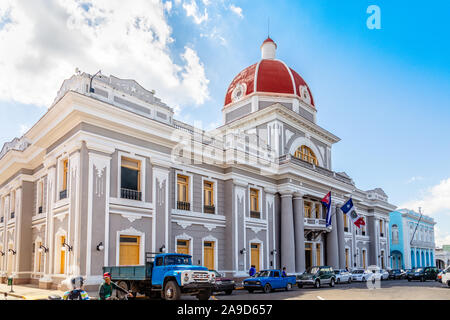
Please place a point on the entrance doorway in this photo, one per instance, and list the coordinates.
(183, 246)
(308, 255)
(129, 250)
(254, 256)
(208, 254)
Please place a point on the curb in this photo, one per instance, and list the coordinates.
(13, 295)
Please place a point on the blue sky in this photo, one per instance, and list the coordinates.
(385, 93)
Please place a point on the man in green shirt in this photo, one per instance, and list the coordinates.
(105, 292)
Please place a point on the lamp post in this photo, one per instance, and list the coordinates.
(43, 249)
(243, 251)
(69, 247)
(100, 246)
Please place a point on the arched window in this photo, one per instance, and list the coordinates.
(394, 234)
(306, 154)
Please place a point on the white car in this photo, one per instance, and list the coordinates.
(445, 276)
(361, 275)
(384, 275)
(342, 275)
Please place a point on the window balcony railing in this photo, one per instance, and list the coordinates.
(363, 233)
(345, 229)
(209, 209)
(13, 215)
(40, 210)
(382, 234)
(255, 214)
(63, 194)
(2, 219)
(130, 194)
(185, 206)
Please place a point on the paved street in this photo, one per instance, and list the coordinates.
(390, 290)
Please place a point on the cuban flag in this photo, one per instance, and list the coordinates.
(349, 210)
(327, 202)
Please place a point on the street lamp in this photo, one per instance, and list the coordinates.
(243, 251)
(163, 248)
(12, 251)
(2, 253)
(43, 249)
(69, 247)
(100, 246)
(273, 252)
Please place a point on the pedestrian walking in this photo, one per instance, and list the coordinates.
(252, 271)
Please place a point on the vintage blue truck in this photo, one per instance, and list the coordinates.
(166, 275)
(268, 280)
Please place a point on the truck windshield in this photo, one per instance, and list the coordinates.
(174, 260)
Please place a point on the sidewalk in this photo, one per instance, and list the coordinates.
(28, 292)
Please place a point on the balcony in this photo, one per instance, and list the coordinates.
(313, 223)
(130, 194)
(305, 164)
(209, 209)
(185, 206)
(63, 194)
(255, 214)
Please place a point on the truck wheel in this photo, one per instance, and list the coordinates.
(448, 283)
(332, 282)
(228, 292)
(267, 288)
(288, 287)
(124, 285)
(172, 291)
(204, 295)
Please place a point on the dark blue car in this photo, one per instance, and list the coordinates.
(268, 280)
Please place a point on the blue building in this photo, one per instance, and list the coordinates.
(412, 240)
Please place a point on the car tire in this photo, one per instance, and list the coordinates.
(317, 284)
(172, 291)
(288, 287)
(349, 280)
(228, 292)
(422, 279)
(250, 290)
(332, 282)
(409, 280)
(300, 285)
(267, 288)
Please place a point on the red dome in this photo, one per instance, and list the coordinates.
(268, 76)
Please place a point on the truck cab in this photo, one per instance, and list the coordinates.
(168, 274)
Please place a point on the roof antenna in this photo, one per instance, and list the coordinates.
(268, 27)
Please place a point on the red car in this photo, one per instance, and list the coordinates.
(223, 284)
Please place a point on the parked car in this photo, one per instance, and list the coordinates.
(342, 275)
(445, 277)
(268, 280)
(223, 284)
(361, 275)
(167, 275)
(384, 275)
(396, 274)
(317, 276)
(423, 274)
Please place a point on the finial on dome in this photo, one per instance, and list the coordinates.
(268, 49)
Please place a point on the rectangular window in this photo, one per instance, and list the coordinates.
(130, 179)
(317, 210)
(65, 174)
(254, 204)
(344, 216)
(183, 200)
(346, 258)
(208, 197)
(381, 228)
(318, 254)
(13, 204)
(308, 209)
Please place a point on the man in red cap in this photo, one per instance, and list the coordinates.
(107, 288)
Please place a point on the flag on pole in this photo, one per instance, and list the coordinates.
(327, 202)
(349, 210)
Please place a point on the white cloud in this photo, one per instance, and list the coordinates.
(43, 41)
(193, 11)
(236, 10)
(441, 237)
(414, 179)
(433, 200)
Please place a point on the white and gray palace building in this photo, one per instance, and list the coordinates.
(108, 174)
